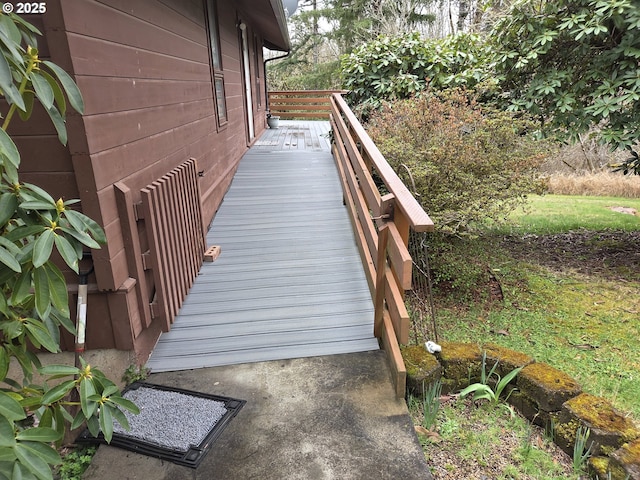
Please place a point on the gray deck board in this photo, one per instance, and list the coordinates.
(289, 282)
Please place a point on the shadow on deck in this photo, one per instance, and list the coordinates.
(289, 281)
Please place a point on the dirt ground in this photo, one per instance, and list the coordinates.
(610, 255)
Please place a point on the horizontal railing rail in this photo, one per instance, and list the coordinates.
(381, 222)
(305, 104)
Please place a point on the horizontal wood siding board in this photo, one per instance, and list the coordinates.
(112, 95)
(96, 57)
(116, 26)
(57, 184)
(190, 9)
(35, 148)
(120, 128)
(167, 148)
(162, 15)
(39, 123)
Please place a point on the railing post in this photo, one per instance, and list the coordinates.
(402, 224)
(381, 270)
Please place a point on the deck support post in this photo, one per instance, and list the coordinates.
(381, 270)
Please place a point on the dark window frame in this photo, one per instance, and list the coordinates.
(216, 65)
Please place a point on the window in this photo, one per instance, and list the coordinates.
(221, 104)
(216, 63)
(214, 39)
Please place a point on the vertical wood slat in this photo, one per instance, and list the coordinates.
(173, 221)
(133, 251)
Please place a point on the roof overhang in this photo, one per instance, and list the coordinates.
(268, 19)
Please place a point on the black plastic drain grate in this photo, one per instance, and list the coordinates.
(174, 424)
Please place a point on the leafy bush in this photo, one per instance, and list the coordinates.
(467, 163)
(75, 463)
(575, 64)
(458, 267)
(392, 68)
(34, 303)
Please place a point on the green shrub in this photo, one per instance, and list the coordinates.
(75, 463)
(467, 164)
(392, 68)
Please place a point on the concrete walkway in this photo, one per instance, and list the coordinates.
(330, 417)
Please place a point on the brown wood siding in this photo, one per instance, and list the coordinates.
(143, 68)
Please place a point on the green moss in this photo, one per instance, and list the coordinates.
(598, 467)
(422, 368)
(625, 462)
(460, 351)
(630, 453)
(507, 359)
(507, 356)
(461, 361)
(551, 378)
(547, 386)
(566, 432)
(598, 413)
(417, 360)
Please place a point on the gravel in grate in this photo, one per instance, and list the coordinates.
(171, 419)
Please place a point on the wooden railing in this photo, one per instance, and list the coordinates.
(382, 224)
(306, 104)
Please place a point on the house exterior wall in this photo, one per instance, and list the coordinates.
(143, 67)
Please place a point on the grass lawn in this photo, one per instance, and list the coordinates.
(585, 324)
(562, 213)
(567, 270)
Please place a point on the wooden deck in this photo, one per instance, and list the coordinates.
(289, 282)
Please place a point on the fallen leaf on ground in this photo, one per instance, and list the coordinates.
(432, 436)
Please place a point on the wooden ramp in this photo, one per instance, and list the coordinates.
(289, 282)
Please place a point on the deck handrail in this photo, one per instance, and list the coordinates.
(381, 223)
(307, 104)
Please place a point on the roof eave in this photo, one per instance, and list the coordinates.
(281, 18)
